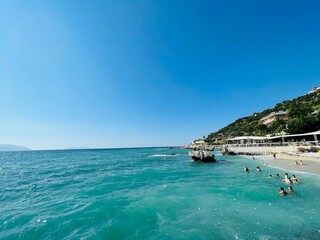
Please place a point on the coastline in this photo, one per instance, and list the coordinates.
(310, 166)
(285, 160)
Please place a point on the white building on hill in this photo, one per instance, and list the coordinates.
(267, 120)
(314, 89)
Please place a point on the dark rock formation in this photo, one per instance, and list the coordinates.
(225, 151)
(202, 156)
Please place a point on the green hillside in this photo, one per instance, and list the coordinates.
(303, 113)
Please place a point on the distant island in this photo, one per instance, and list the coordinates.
(9, 147)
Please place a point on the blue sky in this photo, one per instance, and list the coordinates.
(148, 73)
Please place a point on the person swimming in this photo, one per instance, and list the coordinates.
(258, 169)
(286, 179)
(282, 191)
(270, 175)
(278, 175)
(246, 169)
(290, 189)
(295, 179)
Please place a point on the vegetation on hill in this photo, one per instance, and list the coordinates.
(303, 113)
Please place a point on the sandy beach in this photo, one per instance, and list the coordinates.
(287, 162)
(284, 159)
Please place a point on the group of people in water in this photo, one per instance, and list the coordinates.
(287, 180)
(299, 163)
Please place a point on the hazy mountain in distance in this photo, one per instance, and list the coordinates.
(9, 147)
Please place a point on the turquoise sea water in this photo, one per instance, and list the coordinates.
(149, 194)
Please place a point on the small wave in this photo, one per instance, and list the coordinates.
(164, 155)
(164, 186)
(293, 171)
(264, 237)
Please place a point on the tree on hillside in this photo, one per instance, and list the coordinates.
(303, 124)
(277, 126)
(260, 129)
(298, 111)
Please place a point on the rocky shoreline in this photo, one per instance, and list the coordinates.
(278, 156)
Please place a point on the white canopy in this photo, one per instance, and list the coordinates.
(248, 138)
(297, 135)
(267, 138)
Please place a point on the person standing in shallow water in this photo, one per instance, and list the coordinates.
(295, 179)
(282, 192)
(290, 189)
(258, 169)
(286, 180)
(246, 169)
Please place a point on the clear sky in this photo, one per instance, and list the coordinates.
(148, 73)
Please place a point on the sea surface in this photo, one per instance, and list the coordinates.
(150, 193)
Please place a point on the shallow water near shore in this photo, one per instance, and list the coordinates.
(150, 193)
(310, 166)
